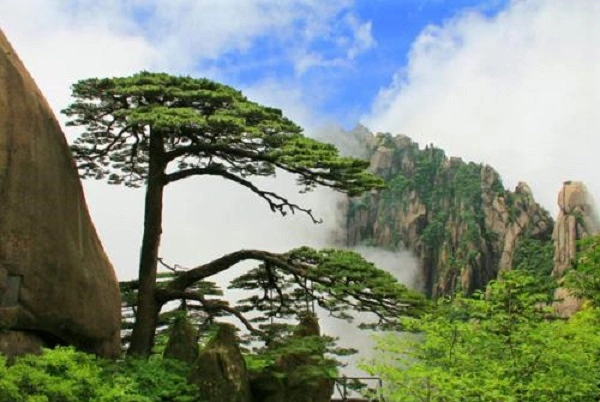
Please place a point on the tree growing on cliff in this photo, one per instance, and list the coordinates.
(154, 129)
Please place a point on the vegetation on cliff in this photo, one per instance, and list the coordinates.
(457, 217)
(584, 279)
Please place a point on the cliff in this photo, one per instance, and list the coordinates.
(576, 219)
(456, 217)
(57, 285)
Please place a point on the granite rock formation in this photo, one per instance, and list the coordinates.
(577, 218)
(456, 217)
(183, 342)
(56, 283)
(220, 370)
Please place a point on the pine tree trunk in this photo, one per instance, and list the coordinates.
(148, 308)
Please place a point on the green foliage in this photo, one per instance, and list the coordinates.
(339, 281)
(65, 375)
(435, 233)
(158, 379)
(497, 346)
(258, 362)
(298, 360)
(359, 204)
(536, 257)
(584, 280)
(205, 128)
(310, 351)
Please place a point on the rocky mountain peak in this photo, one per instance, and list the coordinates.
(577, 218)
(456, 216)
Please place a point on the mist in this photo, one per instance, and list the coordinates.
(205, 218)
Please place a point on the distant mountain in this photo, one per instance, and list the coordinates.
(456, 216)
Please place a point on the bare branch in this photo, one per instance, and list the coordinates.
(173, 268)
(276, 202)
(185, 279)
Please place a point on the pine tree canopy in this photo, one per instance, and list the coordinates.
(206, 128)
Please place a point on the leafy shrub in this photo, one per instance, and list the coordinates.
(66, 375)
(497, 346)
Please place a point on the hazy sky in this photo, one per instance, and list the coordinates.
(515, 84)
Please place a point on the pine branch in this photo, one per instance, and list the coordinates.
(167, 295)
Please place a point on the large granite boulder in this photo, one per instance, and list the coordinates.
(56, 283)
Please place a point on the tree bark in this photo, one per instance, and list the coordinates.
(148, 308)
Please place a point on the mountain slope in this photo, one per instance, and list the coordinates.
(457, 217)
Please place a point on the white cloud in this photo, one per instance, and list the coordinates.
(289, 97)
(349, 37)
(59, 47)
(519, 91)
(62, 42)
(189, 32)
(362, 36)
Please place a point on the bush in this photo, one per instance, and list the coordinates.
(497, 346)
(66, 375)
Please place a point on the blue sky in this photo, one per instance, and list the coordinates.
(347, 85)
(396, 24)
(511, 83)
(351, 86)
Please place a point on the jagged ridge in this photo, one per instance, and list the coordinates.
(457, 217)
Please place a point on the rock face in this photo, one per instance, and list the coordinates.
(577, 218)
(299, 388)
(183, 342)
(288, 380)
(56, 282)
(17, 343)
(220, 370)
(457, 217)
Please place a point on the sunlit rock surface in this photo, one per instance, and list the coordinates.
(577, 218)
(56, 283)
(455, 216)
